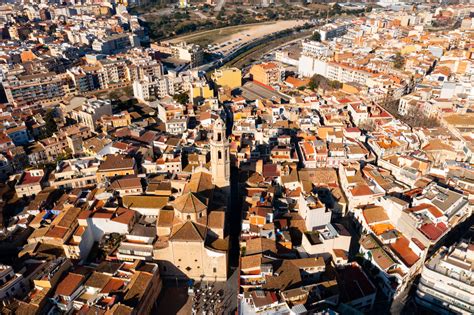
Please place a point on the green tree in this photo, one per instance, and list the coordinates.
(182, 98)
(50, 126)
(399, 61)
(316, 36)
(316, 81)
(335, 84)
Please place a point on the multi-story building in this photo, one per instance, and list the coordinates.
(229, 77)
(91, 111)
(115, 165)
(149, 89)
(314, 48)
(75, 173)
(115, 43)
(446, 283)
(11, 283)
(330, 31)
(30, 183)
(267, 73)
(38, 89)
(346, 73)
(142, 68)
(188, 52)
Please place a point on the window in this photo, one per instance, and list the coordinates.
(214, 269)
(219, 155)
(219, 136)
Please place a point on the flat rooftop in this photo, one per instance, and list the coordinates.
(252, 91)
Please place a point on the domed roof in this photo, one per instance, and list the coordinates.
(189, 203)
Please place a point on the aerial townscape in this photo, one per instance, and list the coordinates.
(236, 157)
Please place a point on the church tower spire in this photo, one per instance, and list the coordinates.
(220, 157)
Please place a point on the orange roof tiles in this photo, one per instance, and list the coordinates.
(361, 190)
(69, 284)
(375, 214)
(424, 206)
(382, 228)
(404, 252)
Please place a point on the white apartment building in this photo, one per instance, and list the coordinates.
(309, 65)
(330, 31)
(188, 52)
(151, 89)
(346, 73)
(314, 48)
(447, 283)
(11, 283)
(91, 111)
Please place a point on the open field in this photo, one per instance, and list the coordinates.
(228, 38)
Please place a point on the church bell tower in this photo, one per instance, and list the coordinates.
(220, 158)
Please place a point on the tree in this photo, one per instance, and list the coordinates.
(50, 126)
(182, 98)
(315, 81)
(335, 84)
(415, 117)
(316, 36)
(336, 9)
(399, 61)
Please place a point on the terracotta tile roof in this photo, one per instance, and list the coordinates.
(375, 214)
(404, 252)
(355, 283)
(113, 285)
(382, 258)
(287, 276)
(308, 262)
(137, 288)
(189, 203)
(116, 162)
(57, 232)
(199, 182)
(120, 309)
(251, 262)
(216, 219)
(425, 206)
(131, 182)
(98, 280)
(433, 231)
(436, 145)
(69, 284)
(189, 231)
(123, 215)
(260, 245)
(165, 218)
(146, 202)
(29, 179)
(361, 190)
